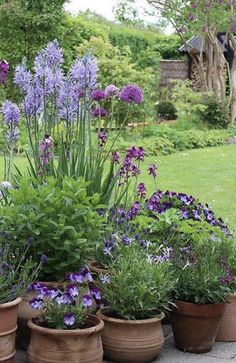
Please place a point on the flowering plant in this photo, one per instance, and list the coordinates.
(16, 270)
(66, 308)
(137, 287)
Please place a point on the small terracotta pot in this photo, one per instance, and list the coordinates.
(8, 326)
(25, 313)
(227, 329)
(195, 325)
(131, 341)
(70, 346)
(96, 268)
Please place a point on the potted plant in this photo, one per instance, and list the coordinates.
(66, 331)
(205, 280)
(136, 293)
(16, 273)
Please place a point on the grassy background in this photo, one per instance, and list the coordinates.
(208, 174)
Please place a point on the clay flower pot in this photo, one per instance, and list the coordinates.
(25, 313)
(195, 325)
(70, 346)
(8, 326)
(131, 341)
(227, 329)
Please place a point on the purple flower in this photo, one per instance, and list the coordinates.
(111, 91)
(102, 138)
(87, 301)
(131, 94)
(11, 113)
(73, 291)
(6, 185)
(98, 95)
(76, 277)
(53, 293)
(106, 279)
(116, 157)
(4, 70)
(36, 286)
(67, 101)
(141, 190)
(126, 240)
(64, 299)
(43, 259)
(84, 73)
(99, 112)
(134, 210)
(33, 102)
(22, 77)
(152, 170)
(45, 147)
(96, 293)
(136, 153)
(69, 319)
(36, 304)
(191, 17)
(193, 5)
(49, 57)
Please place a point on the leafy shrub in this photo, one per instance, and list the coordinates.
(166, 110)
(62, 223)
(214, 114)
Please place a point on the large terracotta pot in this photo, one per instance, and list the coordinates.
(8, 326)
(227, 329)
(70, 346)
(195, 325)
(131, 341)
(25, 313)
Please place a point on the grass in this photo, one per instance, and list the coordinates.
(208, 174)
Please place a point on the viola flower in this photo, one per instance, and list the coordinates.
(152, 170)
(72, 291)
(111, 91)
(53, 293)
(98, 95)
(96, 293)
(69, 319)
(87, 301)
(141, 190)
(64, 299)
(102, 138)
(76, 277)
(99, 112)
(36, 304)
(131, 94)
(4, 70)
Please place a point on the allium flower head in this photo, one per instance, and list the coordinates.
(11, 113)
(98, 95)
(22, 77)
(111, 91)
(99, 112)
(4, 70)
(131, 94)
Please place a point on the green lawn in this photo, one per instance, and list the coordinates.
(209, 174)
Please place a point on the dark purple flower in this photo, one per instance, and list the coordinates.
(152, 170)
(43, 259)
(11, 113)
(64, 299)
(69, 319)
(37, 304)
(53, 293)
(191, 17)
(116, 157)
(96, 293)
(87, 301)
(102, 138)
(193, 5)
(141, 190)
(111, 91)
(126, 240)
(98, 95)
(73, 291)
(134, 210)
(99, 112)
(4, 70)
(131, 94)
(136, 153)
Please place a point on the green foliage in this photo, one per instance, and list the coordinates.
(138, 289)
(62, 221)
(166, 110)
(214, 114)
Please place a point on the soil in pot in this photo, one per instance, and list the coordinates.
(195, 325)
(227, 329)
(131, 341)
(8, 326)
(66, 346)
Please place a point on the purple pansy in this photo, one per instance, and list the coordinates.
(37, 304)
(69, 319)
(87, 301)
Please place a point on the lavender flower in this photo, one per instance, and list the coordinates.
(111, 91)
(131, 94)
(22, 77)
(152, 170)
(116, 157)
(11, 113)
(98, 95)
(141, 190)
(87, 301)
(136, 153)
(69, 319)
(99, 112)
(4, 70)
(84, 73)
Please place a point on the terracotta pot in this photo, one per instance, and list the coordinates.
(96, 268)
(70, 346)
(131, 341)
(8, 326)
(25, 313)
(227, 329)
(195, 325)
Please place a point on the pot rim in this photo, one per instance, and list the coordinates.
(195, 304)
(123, 321)
(11, 303)
(99, 326)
